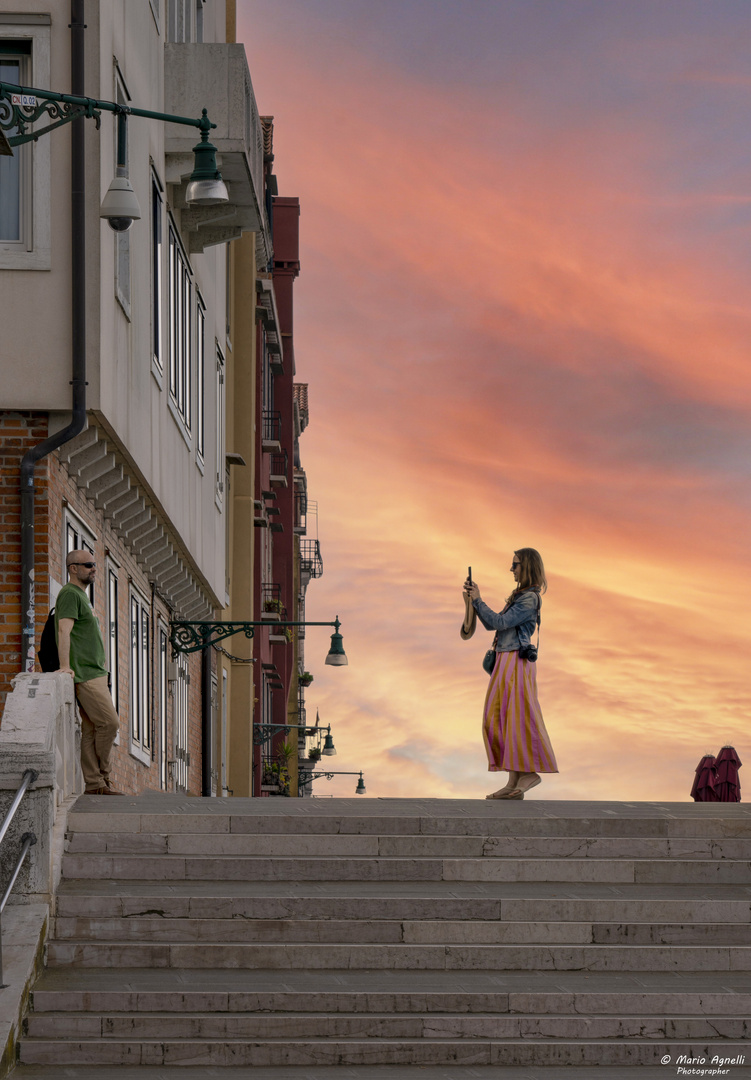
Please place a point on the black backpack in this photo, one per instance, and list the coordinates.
(47, 654)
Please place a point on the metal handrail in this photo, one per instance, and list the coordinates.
(28, 778)
(27, 841)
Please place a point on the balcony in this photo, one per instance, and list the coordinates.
(278, 470)
(271, 439)
(260, 518)
(272, 608)
(267, 312)
(311, 562)
(215, 76)
(301, 511)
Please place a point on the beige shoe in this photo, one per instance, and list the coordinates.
(525, 783)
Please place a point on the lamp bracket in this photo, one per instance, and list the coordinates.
(18, 116)
(263, 732)
(187, 637)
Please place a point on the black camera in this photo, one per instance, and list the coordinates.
(528, 652)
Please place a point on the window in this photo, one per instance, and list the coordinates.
(178, 20)
(15, 170)
(199, 19)
(228, 293)
(200, 378)
(182, 754)
(77, 538)
(220, 455)
(113, 634)
(157, 254)
(163, 700)
(212, 734)
(225, 790)
(25, 176)
(179, 328)
(267, 376)
(140, 726)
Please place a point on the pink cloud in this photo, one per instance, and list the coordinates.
(512, 340)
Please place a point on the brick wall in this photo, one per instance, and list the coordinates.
(56, 495)
(19, 431)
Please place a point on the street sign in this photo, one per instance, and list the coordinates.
(27, 101)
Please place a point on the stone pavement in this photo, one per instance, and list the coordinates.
(359, 939)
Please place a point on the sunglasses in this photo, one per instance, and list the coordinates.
(513, 564)
(88, 565)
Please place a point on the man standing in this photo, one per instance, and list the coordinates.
(81, 650)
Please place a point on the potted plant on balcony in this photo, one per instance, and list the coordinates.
(270, 777)
(273, 606)
(305, 679)
(314, 754)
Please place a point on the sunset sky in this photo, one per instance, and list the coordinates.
(524, 313)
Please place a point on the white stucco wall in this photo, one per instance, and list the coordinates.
(124, 395)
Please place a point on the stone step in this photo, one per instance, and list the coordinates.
(223, 905)
(400, 846)
(361, 1072)
(409, 932)
(69, 1026)
(383, 991)
(259, 868)
(401, 957)
(109, 1002)
(474, 818)
(499, 1052)
(292, 939)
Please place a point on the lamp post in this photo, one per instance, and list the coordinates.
(359, 790)
(263, 732)
(188, 637)
(24, 105)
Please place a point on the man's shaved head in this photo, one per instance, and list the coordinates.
(78, 556)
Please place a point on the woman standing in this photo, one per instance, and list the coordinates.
(513, 729)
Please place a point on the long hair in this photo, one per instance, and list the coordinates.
(531, 573)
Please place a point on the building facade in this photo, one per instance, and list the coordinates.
(172, 323)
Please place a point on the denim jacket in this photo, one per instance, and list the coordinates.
(516, 626)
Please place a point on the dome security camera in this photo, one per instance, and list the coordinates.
(120, 205)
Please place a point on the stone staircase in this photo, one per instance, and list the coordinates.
(363, 938)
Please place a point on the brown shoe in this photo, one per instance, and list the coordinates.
(106, 790)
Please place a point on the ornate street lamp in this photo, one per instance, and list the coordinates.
(188, 637)
(359, 790)
(336, 656)
(22, 106)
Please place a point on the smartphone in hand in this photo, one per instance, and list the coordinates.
(469, 575)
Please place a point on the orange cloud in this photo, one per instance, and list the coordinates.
(514, 339)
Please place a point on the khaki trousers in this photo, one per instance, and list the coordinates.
(99, 728)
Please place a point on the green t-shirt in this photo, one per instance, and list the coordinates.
(86, 646)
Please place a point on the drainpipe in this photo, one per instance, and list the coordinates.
(78, 344)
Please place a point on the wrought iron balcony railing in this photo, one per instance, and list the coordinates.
(272, 608)
(279, 469)
(272, 426)
(311, 561)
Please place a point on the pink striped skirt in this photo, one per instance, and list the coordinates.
(513, 729)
